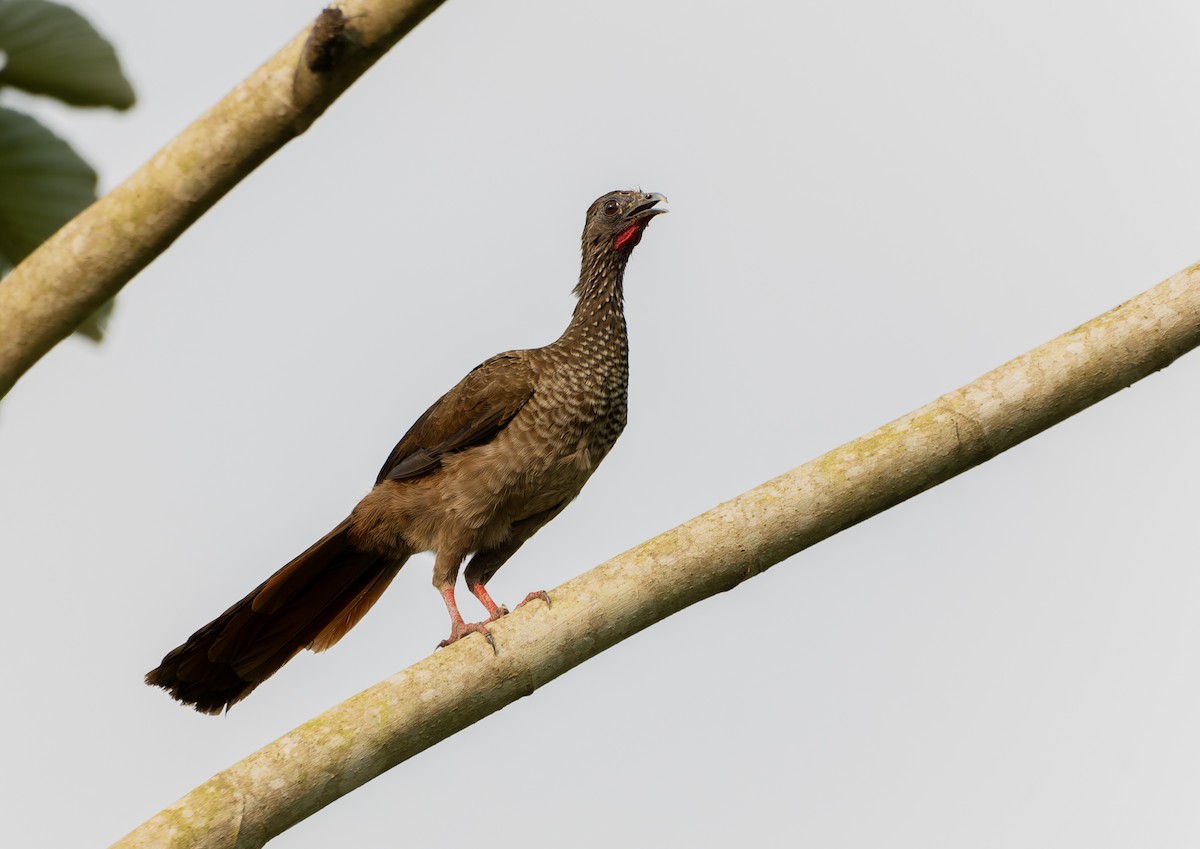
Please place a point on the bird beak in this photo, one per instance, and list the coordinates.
(645, 209)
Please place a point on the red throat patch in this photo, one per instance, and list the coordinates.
(631, 235)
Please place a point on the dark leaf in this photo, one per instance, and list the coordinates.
(43, 185)
(53, 50)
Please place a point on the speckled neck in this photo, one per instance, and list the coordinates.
(600, 312)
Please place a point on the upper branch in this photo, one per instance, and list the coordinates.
(87, 262)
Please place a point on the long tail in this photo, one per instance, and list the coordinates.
(311, 602)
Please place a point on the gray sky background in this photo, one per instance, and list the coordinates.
(872, 203)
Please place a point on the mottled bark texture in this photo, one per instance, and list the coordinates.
(350, 744)
(87, 262)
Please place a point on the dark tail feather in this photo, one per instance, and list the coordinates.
(312, 601)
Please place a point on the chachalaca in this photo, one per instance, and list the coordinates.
(491, 462)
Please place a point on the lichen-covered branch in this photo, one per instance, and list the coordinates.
(87, 262)
(303, 771)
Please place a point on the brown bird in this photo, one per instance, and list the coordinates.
(491, 462)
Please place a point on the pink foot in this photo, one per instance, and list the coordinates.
(461, 629)
(542, 594)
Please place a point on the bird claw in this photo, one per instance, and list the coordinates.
(542, 594)
(461, 629)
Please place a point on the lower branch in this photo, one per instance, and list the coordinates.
(281, 784)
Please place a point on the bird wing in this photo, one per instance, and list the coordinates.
(470, 414)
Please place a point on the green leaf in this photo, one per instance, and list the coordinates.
(43, 184)
(53, 50)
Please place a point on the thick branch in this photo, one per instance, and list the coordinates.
(329, 756)
(87, 262)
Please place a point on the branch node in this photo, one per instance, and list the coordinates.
(330, 42)
(327, 41)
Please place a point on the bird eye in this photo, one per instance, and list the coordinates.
(611, 207)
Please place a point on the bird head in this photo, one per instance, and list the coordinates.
(615, 221)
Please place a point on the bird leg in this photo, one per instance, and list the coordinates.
(459, 628)
(487, 562)
(495, 611)
(445, 574)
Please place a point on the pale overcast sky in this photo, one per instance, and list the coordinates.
(872, 203)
